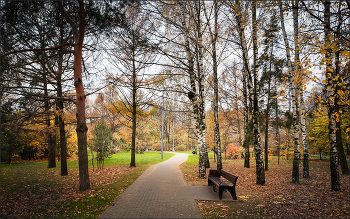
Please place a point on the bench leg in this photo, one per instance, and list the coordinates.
(221, 190)
(233, 193)
(231, 190)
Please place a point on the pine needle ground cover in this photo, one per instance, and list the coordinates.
(31, 190)
(279, 198)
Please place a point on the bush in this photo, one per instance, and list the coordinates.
(125, 148)
(287, 153)
(234, 152)
(11, 143)
(140, 148)
(157, 147)
(181, 148)
(113, 150)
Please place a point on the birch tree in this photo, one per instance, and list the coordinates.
(335, 45)
(214, 38)
(339, 93)
(201, 82)
(193, 95)
(331, 99)
(293, 83)
(182, 46)
(295, 99)
(260, 172)
(253, 85)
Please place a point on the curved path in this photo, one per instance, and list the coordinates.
(161, 192)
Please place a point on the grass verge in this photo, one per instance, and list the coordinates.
(31, 190)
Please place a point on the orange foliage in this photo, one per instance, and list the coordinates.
(234, 152)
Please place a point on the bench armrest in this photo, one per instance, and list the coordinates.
(225, 181)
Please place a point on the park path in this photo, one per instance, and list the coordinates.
(161, 192)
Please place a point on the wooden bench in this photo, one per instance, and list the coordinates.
(215, 179)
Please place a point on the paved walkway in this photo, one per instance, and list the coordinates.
(161, 192)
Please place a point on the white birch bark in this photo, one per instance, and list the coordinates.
(201, 76)
(295, 99)
(303, 137)
(335, 180)
(246, 115)
(193, 96)
(295, 172)
(260, 171)
(253, 90)
(213, 37)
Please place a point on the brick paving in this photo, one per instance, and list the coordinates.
(161, 192)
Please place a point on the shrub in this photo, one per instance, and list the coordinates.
(181, 148)
(156, 147)
(113, 150)
(140, 148)
(233, 152)
(125, 148)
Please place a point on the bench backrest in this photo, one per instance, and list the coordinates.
(229, 176)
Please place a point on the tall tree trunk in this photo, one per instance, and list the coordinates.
(303, 137)
(239, 130)
(295, 99)
(277, 138)
(246, 115)
(50, 145)
(253, 90)
(168, 133)
(247, 80)
(267, 115)
(134, 108)
(341, 153)
(260, 172)
(78, 33)
(302, 114)
(61, 125)
(214, 37)
(200, 69)
(267, 128)
(63, 144)
(192, 95)
(335, 180)
(295, 172)
(162, 136)
(60, 107)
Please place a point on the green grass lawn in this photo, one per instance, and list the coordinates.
(31, 190)
(184, 152)
(149, 157)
